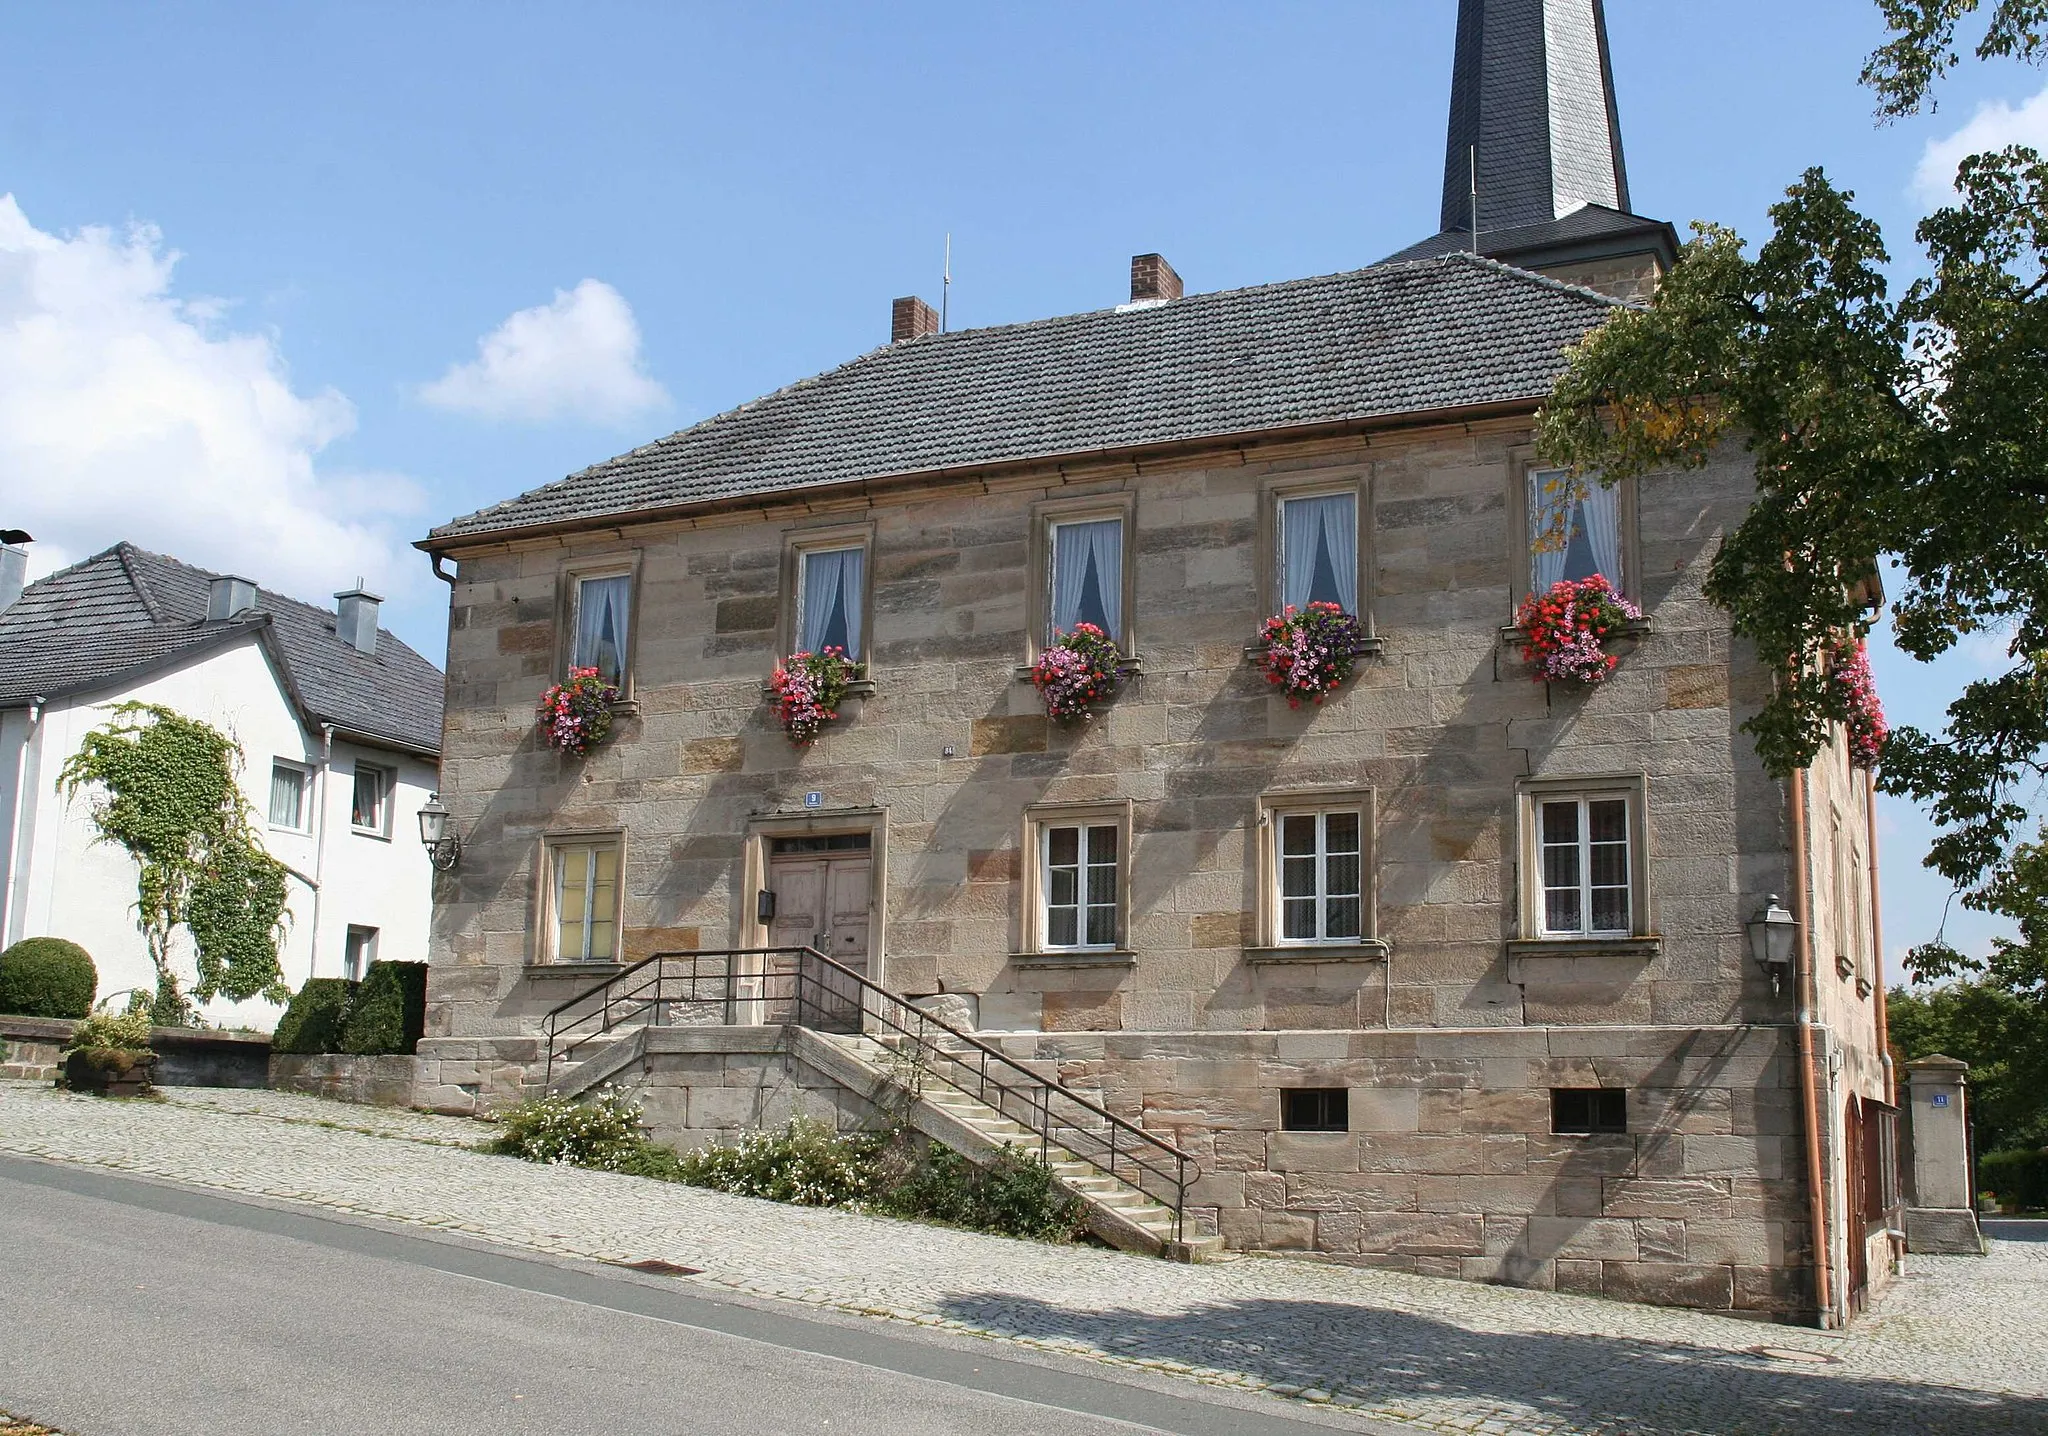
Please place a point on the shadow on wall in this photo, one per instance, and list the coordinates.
(1399, 1361)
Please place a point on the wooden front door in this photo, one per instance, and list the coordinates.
(822, 895)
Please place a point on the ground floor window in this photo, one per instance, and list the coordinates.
(1322, 873)
(583, 899)
(359, 950)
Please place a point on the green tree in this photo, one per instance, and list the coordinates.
(164, 789)
(1907, 427)
(2004, 1038)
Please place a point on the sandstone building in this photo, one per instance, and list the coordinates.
(1452, 972)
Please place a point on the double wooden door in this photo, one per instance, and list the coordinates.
(823, 895)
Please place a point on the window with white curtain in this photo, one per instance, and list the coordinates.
(1318, 559)
(603, 610)
(828, 599)
(1087, 577)
(288, 796)
(1572, 534)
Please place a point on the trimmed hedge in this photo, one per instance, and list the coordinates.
(47, 977)
(390, 1010)
(2019, 1178)
(316, 1017)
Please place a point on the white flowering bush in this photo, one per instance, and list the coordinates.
(807, 1163)
(605, 1134)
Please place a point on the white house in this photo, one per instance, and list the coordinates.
(339, 725)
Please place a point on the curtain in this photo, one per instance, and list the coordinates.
(1550, 531)
(601, 626)
(1319, 551)
(1088, 576)
(1572, 536)
(831, 601)
(1600, 511)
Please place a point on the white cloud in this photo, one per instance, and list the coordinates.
(577, 357)
(1995, 125)
(129, 412)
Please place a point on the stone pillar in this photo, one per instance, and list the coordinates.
(1941, 1217)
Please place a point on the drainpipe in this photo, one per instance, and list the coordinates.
(319, 882)
(1884, 1043)
(1809, 1098)
(14, 823)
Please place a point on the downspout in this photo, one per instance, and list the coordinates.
(319, 882)
(1884, 1042)
(1809, 1097)
(14, 864)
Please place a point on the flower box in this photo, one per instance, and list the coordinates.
(808, 688)
(110, 1071)
(1856, 690)
(1077, 670)
(1310, 653)
(1566, 631)
(575, 716)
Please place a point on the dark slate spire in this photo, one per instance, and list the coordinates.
(1532, 101)
(1533, 93)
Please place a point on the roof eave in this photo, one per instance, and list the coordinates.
(443, 544)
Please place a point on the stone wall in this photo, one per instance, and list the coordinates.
(385, 1081)
(29, 1047)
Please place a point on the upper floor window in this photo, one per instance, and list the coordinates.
(601, 616)
(1087, 577)
(829, 593)
(1318, 550)
(583, 899)
(1575, 529)
(288, 782)
(370, 799)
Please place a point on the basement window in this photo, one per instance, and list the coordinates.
(1578, 1111)
(1315, 1109)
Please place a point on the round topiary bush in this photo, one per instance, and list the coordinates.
(47, 977)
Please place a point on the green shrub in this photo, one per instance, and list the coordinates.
(316, 1017)
(806, 1162)
(47, 977)
(1013, 1195)
(112, 1032)
(2020, 1179)
(389, 1010)
(604, 1134)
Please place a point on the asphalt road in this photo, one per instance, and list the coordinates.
(134, 1308)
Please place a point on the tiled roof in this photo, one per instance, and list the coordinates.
(1372, 343)
(127, 611)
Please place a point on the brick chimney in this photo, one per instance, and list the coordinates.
(911, 318)
(1153, 280)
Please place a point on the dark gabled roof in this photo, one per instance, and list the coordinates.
(1372, 343)
(127, 612)
(1586, 232)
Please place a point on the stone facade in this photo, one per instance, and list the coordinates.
(1448, 1029)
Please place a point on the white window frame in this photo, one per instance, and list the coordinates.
(387, 783)
(305, 822)
(1036, 841)
(1273, 811)
(368, 951)
(1583, 848)
(1321, 858)
(856, 633)
(577, 579)
(553, 849)
(1085, 865)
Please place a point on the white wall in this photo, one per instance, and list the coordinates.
(67, 885)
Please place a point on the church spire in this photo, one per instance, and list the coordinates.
(1532, 93)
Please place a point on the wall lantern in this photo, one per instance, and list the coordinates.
(1772, 934)
(443, 847)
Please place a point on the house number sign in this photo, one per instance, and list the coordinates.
(814, 800)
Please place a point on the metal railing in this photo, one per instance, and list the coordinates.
(800, 986)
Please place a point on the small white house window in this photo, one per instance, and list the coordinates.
(1321, 862)
(828, 599)
(1318, 558)
(1574, 529)
(1087, 577)
(369, 808)
(602, 618)
(584, 893)
(359, 950)
(1587, 866)
(288, 783)
(1079, 882)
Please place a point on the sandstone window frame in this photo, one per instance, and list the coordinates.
(547, 930)
(1046, 514)
(1522, 464)
(797, 546)
(1038, 822)
(1531, 937)
(1268, 567)
(1270, 945)
(570, 577)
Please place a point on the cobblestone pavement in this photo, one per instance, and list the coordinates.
(1959, 1346)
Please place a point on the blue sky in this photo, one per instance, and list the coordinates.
(253, 250)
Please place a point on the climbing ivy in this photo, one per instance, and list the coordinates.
(164, 789)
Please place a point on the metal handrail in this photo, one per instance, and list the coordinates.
(651, 991)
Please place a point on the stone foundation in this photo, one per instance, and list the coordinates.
(385, 1081)
(29, 1047)
(1943, 1231)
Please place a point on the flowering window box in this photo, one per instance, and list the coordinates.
(808, 689)
(1310, 653)
(575, 716)
(1077, 671)
(1566, 632)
